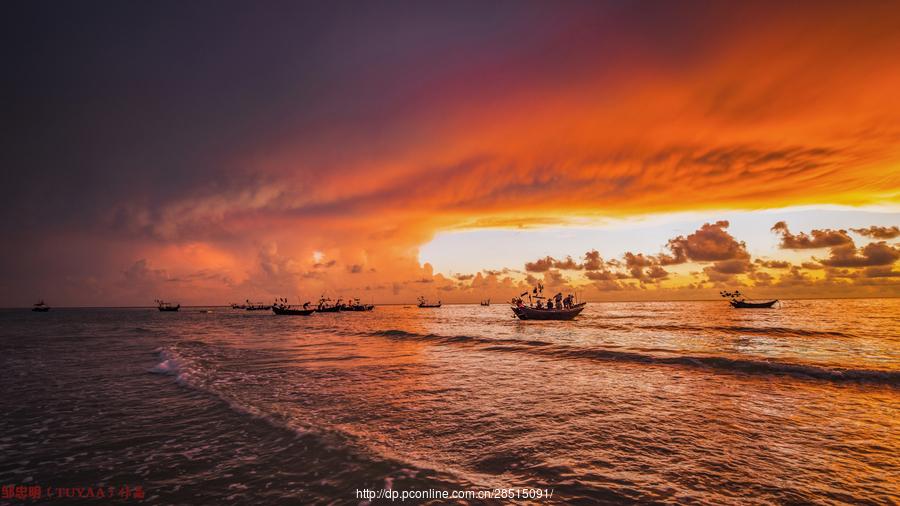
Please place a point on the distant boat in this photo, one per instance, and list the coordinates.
(167, 306)
(742, 304)
(238, 306)
(325, 306)
(739, 302)
(356, 305)
(40, 307)
(283, 308)
(423, 302)
(256, 306)
(486, 302)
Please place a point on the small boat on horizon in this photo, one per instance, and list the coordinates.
(281, 307)
(325, 305)
(40, 307)
(742, 303)
(423, 303)
(356, 305)
(257, 306)
(167, 306)
(486, 302)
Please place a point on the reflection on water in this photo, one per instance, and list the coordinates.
(670, 402)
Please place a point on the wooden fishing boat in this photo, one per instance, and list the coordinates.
(743, 304)
(40, 307)
(532, 313)
(564, 309)
(282, 307)
(486, 302)
(739, 302)
(292, 311)
(325, 306)
(167, 306)
(423, 303)
(358, 306)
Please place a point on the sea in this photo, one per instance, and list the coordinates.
(631, 403)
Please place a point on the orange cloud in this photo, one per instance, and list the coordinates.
(748, 107)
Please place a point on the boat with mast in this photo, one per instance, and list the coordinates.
(257, 306)
(423, 303)
(738, 301)
(325, 305)
(281, 307)
(167, 306)
(356, 305)
(40, 307)
(566, 308)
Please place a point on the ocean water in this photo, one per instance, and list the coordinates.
(683, 402)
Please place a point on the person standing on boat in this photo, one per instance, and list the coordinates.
(559, 300)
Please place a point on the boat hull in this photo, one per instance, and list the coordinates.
(40, 309)
(429, 306)
(170, 309)
(752, 305)
(332, 309)
(530, 313)
(292, 312)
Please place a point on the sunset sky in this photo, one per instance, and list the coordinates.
(210, 152)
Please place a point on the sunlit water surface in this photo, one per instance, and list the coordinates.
(688, 402)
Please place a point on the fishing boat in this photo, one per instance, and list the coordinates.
(257, 306)
(739, 302)
(742, 304)
(238, 306)
(565, 308)
(486, 302)
(282, 307)
(356, 305)
(423, 303)
(533, 313)
(325, 305)
(167, 306)
(40, 307)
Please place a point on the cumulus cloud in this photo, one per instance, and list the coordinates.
(816, 239)
(773, 264)
(877, 232)
(710, 243)
(873, 254)
(548, 262)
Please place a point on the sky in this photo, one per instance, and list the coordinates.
(213, 152)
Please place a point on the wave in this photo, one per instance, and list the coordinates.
(717, 363)
(356, 447)
(189, 375)
(773, 331)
